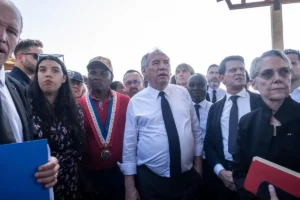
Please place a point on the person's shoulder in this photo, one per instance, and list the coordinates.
(248, 118)
(12, 81)
(123, 98)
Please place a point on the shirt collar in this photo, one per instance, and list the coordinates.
(154, 92)
(203, 104)
(242, 93)
(2, 76)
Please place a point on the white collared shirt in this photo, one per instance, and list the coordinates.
(203, 112)
(220, 93)
(146, 139)
(244, 107)
(296, 94)
(10, 109)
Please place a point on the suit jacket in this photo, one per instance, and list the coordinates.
(256, 139)
(19, 96)
(213, 143)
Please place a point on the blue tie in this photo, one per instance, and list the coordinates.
(174, 144)
(197, 107)
(233, 125)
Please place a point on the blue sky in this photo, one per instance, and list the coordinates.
(197, 32)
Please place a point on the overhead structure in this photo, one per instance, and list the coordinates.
(276, 16)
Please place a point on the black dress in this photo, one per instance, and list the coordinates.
(62, 147)
(256, 139)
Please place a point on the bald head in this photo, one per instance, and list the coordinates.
(197, 86)
(10, 29)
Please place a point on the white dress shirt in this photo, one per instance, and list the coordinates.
(10, 109)
(220, 93)
(145, 138)
(296, 94)
(203, 112)
(244, 107)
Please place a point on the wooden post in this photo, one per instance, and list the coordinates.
(277, 28)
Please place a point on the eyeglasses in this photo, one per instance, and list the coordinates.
(134, 82)
(37, 56)
(267, 74)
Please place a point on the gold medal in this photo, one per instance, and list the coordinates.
(105, 154)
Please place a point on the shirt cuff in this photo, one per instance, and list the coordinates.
(218, 168)
(127, 168)
(198, 150)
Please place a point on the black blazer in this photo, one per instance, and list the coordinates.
(256, 139)
(18, 94)
(213, 143)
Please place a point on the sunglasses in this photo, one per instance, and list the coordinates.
(37, 56)
(267, 74)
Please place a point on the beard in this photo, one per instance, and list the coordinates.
(30, 67)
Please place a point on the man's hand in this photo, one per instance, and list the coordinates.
(273, 193)
(47, 174)
(132, 194)
(131, 191)
(226, 177)
(198, 164)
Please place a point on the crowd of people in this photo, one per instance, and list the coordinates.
(150, 136)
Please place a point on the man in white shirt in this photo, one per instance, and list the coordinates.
(214, 92)
(15, 123)
(222, 124)
(197, 86)
(163, 140)
(294, 56)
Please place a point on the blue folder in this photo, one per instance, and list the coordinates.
(18, 164)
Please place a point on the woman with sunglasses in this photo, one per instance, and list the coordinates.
(271, 132)
(59, 119)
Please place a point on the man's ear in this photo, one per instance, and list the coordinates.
(221, 78)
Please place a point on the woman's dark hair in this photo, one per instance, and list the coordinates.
(65, 107)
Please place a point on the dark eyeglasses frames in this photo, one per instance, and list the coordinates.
(37, 56)
(267, 74)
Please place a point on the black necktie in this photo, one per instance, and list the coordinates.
(214, 99)
(7, 135)
(174, 144)
(233, 125)
(197, 107)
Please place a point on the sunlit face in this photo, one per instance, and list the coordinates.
(158, 71)
(197, 87)
(296, 66)
(235, 75)
(29, 60)
(274, 78)
(182, 76)
(77, 88)
(50, 76)
(133, 83)
(10, 30)
(99, 78)
(213, 77)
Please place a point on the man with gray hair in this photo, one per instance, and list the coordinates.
(162, 141)
(15, 123)
(294, 56)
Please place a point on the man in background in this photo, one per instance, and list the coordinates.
(214, 92)
(133, 81)
(26, 54)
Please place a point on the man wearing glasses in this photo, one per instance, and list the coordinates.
(104, 122)
(26, 54)
(133, 81)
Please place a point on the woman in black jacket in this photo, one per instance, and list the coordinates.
(271, 132)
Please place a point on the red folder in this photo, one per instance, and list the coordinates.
(281, 177)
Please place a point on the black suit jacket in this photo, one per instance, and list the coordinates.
(213, 143)
(19, 96)
(256, 139)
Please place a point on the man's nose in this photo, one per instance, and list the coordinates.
(3, 35)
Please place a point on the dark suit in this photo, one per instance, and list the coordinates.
(213, 143)
(18, 94)
(20, 76)
(256, 139)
